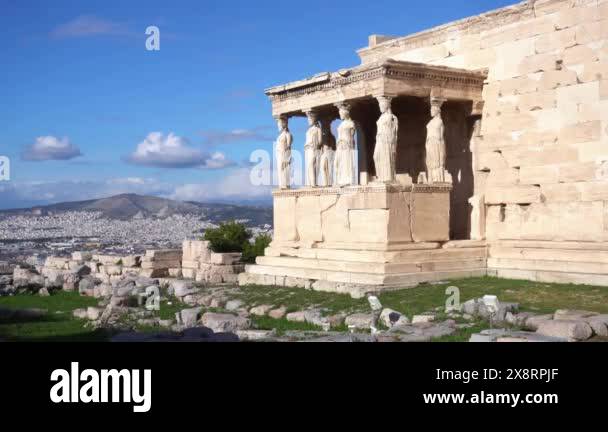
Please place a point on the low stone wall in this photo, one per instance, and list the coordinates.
(203, 265)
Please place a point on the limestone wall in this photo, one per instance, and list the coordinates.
(541, 161)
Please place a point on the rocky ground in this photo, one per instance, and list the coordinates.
(135, 308)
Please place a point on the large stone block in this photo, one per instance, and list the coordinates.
(548, 7)
(513, 195)
(588, 32)
(556, 41)
(503, 177)
(570, 17)
(424, 54)
(596, 151)
(579, 54)
(557, 78)
(225, 258)
(587, 93)
(510, 55)
(164, 254)
(594, 71)
(538, 63)
(369, 225)
(431, 217)
(518, 86)
(538, 174)
(285, 219)
(308, 218)
(593, 191)
(540, 100)
(562, 192)
(581, 133)
(577, 172)
(572, 330)
(491, 160)
(196, 250)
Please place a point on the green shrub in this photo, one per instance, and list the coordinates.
(228, 237)
(256, 249)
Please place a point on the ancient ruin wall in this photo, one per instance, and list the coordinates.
(542, 159)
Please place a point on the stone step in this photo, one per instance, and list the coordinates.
(555, 254)
(403, 279)
(548, 265)
(373, 268)
(542, 244)
(550, 276)
(407, 256)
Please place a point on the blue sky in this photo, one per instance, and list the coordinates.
(81, 93)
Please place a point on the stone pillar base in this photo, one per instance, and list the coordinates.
(358, 272)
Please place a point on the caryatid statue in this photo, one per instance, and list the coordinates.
(326, 163)
(385, 152)
(344, 163)
(435, 145)
(283, 150)
(312, 148)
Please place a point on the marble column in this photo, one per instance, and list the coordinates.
(344, 163)
(328, 152)
(283, 153)
(435, 145)
(312, 148)
(385, 152)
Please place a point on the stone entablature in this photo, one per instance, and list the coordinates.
(372, 188)
(389, 77)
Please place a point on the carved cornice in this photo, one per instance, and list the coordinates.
(389, 188)
(440, 76)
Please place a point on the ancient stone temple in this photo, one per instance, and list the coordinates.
(477, 147)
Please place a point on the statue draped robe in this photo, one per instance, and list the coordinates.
(386, 147)
(311, 154)
(344, 166)
(284, 159)
(435, 151)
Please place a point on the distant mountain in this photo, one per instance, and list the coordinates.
(133, 206)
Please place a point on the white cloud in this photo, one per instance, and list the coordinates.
(172, 151)
(89, 25)
(51, 148)
(257, 134)
(234, 186)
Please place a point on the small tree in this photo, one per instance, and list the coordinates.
(228, 237)
(253, 250)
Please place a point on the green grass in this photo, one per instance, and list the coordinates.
(295, 299)
(57, 325)
(281, 325)
(532, 296)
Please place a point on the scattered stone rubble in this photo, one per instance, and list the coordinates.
(125, 285)
(564, 325)
(203, 265)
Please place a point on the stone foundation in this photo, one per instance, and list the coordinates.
(553, 262)
(358, 272)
